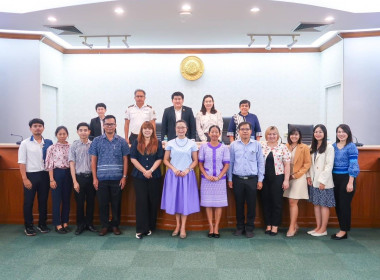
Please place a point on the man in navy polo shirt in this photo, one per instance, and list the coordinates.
(31, 159)
(109, 163)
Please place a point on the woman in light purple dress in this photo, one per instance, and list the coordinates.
(180, 194)
(214, 160)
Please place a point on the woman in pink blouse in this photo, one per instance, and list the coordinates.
(57, 163)
(276, 180)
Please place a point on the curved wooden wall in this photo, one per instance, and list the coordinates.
(365, 206)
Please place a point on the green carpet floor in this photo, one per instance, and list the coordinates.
(160, 256)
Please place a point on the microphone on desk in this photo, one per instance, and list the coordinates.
(18, 142)
(357, 144)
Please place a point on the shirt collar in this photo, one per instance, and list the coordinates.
(32, 139)
(104, 136)
(250, 141)
(144, 105)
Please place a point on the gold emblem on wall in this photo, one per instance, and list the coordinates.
(192, 68)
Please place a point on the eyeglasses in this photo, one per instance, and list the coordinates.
(109, 124)
(139, 96)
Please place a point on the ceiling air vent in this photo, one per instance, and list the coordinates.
(64, 29)
(311, 27)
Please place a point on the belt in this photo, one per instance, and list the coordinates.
(86, 175)
(246, 177)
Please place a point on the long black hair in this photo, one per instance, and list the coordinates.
(346, 129)
(203, 109)
(314, 142)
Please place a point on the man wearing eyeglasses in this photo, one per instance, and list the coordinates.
(136, 114)
(245, 177)
(109, 164)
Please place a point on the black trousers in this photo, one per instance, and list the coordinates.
(40, 185)
(271, 196)
(245, 192)
(109, 191)
(86, 196)
(132, 138)
(343, 200)
(147, 203)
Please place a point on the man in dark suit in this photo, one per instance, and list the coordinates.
(175, 113)
(96, 124)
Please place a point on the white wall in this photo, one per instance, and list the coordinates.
(19, 86)
(331, 75)
(283, 87)
(362, 88)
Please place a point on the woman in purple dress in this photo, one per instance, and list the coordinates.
(180, 194)
(214, 159)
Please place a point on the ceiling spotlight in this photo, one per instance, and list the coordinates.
(329, 19)
(292, 43)
(87, 44)
(186, 8)
(255, 10)
(52, 19)
(119, 11)
(252, 40)
(268, 46)
(108, 42)
(125, 42)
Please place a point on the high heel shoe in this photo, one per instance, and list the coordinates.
(210, 235)
(175, 233)
(139, 235)
(61, 230)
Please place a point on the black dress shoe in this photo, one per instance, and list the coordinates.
(61, 230)
(273, 233)
(239, 232)
(67, 228)
(249, 234)
(91, 228)
(334, 237)
(116, 231)
(79, 230)
(103, 231)
(210, 235)
(268, 231)
(216, 235)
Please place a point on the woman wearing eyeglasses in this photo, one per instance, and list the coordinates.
(180, 194)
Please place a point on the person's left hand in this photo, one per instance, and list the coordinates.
(350, 187)
(123, 182)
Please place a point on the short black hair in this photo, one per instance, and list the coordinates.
(39, 121)
(100, 105)
(83, 124)
(137, 90)
(291, 132)
(61, 127)
(245, 101)
(244, 123)
(109, 117)
(178, 93)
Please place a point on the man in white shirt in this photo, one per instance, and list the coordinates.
(31, 159)
(136, 114)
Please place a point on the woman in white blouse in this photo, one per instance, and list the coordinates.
(207, 117)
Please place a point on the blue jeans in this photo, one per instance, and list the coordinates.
(61, 195)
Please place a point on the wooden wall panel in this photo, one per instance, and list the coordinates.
(365, 206)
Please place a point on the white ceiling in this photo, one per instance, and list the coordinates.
(214, 23)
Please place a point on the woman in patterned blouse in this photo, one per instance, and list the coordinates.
(57, 163)
(207, 117)
(345, 171)
(276, 180)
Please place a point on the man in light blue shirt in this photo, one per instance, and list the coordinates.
(245, 176)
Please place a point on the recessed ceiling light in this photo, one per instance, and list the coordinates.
(255, 9)
(186, 8)
(330, 18)
(52, 19)
(119, 11)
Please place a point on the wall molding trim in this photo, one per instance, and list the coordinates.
(58, 47)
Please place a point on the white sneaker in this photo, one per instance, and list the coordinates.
(319, 234)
